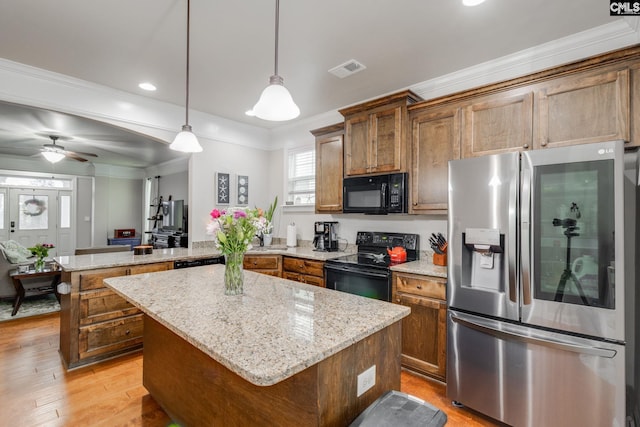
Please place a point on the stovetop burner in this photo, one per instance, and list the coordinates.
(372, 249)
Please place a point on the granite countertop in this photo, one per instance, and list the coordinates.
(118, 259)
(276, 329)
(422, 266)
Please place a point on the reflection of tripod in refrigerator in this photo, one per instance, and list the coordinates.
(569, 224)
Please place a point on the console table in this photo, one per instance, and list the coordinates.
(21, 292)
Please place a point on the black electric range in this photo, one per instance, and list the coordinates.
(367, 272)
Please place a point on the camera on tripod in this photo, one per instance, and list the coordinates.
(565, 223)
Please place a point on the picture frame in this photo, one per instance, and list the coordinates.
(223, 188)
(243, 190)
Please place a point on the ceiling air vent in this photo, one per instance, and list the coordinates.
(348, 68)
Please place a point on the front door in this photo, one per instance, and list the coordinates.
(33, 217)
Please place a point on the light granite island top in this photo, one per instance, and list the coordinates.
(279, 338)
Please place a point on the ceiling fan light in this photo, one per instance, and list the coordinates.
(275, 103)
(186, 141)
(53, 156)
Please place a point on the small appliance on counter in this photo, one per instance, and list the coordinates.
(324, 237)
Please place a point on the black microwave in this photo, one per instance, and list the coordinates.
(376, 195)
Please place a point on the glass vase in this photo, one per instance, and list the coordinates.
(233, 273)
(39, 265)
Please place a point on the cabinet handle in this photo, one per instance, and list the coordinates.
(544, 142)
(127, 332)
(526, 145)
(419, 286)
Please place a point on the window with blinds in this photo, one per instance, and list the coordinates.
(301, 179)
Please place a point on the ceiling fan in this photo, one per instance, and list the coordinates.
(54, 153)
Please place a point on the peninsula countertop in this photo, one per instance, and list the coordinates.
(119, 259)
(275, 330)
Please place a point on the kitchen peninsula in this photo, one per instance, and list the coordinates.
(283, 353)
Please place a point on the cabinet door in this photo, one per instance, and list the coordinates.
(424, 335)
(150, 268)
(498, 124)
(265, 264)
(329, 173)
(435, 139)
(118, 335)
(386, 148)
(356, 145)
(585, 108)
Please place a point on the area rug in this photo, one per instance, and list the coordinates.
(31, 306)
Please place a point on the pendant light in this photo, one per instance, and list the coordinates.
(186, 141)
(275, 103)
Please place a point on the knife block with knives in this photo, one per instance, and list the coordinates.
(439, 245)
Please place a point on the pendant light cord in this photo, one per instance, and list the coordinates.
(277, 26)
(187, 79)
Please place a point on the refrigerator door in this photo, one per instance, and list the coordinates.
(529, 377)
(572, 233)
(483, 200)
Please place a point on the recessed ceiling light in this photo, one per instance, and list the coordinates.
(147, 86)
(472, 2)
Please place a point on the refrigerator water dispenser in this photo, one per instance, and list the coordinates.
(482, 258)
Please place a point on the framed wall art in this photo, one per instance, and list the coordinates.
(223, 188)
(243, 190)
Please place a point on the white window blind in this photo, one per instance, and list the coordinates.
(301, 179)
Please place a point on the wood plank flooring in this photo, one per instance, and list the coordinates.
(36, 390)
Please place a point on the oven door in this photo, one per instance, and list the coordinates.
(359, 280)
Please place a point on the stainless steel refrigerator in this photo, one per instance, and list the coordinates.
(542, 286)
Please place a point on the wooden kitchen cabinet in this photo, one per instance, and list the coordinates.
(375, 138)
(95, 322)
(304, 270)
(583, 108)
(435, 139)
(424, 331)
(265, 264)
(498, 124)
(329, 168)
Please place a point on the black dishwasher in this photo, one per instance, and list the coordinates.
(198, 262)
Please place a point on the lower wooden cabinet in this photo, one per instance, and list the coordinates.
(265, 264)
(95, 322)
(304, 270)
(424, 331)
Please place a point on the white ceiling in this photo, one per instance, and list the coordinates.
(119, 43)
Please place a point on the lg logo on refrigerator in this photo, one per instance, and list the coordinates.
(605, 151)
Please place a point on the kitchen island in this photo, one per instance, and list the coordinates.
(284, 353)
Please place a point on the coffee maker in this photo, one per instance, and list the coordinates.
(325, 238)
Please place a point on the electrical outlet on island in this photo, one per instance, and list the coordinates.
(366, 380)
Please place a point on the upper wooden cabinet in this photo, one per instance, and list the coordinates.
(329, 168)
(435, 139)
(497, 124)
(583, 108)
(375, 140)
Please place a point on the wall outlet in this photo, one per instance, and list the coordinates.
(366, 380)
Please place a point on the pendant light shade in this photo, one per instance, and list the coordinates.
(53, 156)
(276, 103)
(186, 141)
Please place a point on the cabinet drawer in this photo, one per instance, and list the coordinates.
(304, 266)
(269, 262)
(304, 278)
(111, 336)
(93, 279)
(150, 268)
(427, 286)
(103, 304)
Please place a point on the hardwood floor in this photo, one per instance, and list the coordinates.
(36, 390)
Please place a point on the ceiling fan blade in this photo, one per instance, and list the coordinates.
(80, 153)
(74, 156)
